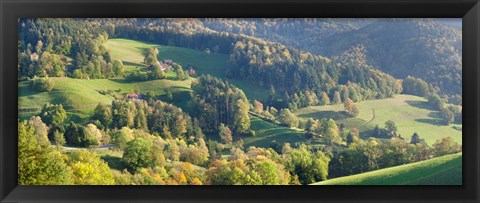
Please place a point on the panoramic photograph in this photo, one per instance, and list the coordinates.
(240, 101)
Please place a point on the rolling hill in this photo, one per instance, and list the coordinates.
(445, 170)
(80, 97)
(131, 52)
(274, 61)
(305, 34)
(410, 113)
(425, 48)
(266, 132)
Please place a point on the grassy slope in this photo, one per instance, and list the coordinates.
(266, 132)
(445, 170)
(131, 52)
(80, 97)
(409, 112)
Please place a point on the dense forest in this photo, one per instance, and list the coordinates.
(303, 34)
(185, 128)
(301, 73)
(429, 49)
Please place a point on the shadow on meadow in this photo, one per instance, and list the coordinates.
(420, 104)
(128, 63)
(114, 162)
(432, 121)
(335, 115)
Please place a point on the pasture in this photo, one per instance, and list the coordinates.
(266, 132)
(80, 97)
(410, 113)
(445, 170)
(131, 53)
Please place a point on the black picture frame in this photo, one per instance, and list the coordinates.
(468, 10)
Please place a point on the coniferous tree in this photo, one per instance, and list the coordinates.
(415, 138)
(336, 98)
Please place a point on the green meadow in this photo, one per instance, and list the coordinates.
(445, 170)
(266, 132)
(131, 53)
(80, 97)
(410, 113)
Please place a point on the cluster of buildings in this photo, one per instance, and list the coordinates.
(165, 65)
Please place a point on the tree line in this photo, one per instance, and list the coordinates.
(219, 102)
(65, 47)
(294, 76)
(153, 155)
(159, 160)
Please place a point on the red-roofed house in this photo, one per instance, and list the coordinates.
(168, 61)
(132, 96)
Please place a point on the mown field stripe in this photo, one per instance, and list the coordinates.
(445, 170)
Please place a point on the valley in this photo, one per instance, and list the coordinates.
(193, 102)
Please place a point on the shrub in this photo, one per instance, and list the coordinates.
(42, 84)
(137, 76)
(53, 114)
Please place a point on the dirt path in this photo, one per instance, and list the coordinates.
(373, 117)
(107, 146)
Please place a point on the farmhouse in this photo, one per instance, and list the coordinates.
(163, 66)
(132, 96)
(168, 61)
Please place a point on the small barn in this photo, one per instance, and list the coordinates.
(163, 66)
(168, 61)
(132, 96)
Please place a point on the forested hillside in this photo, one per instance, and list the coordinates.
(305, 34)
(421, 48)
(233, 101)
(429, 49)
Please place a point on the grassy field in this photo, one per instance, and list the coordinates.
(445, 170)
(80, 97)
(266, 132)
(410, 113)
(132, 52)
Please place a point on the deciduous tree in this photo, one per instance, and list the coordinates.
(89, 169)
(225, 133)
(137, 154)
